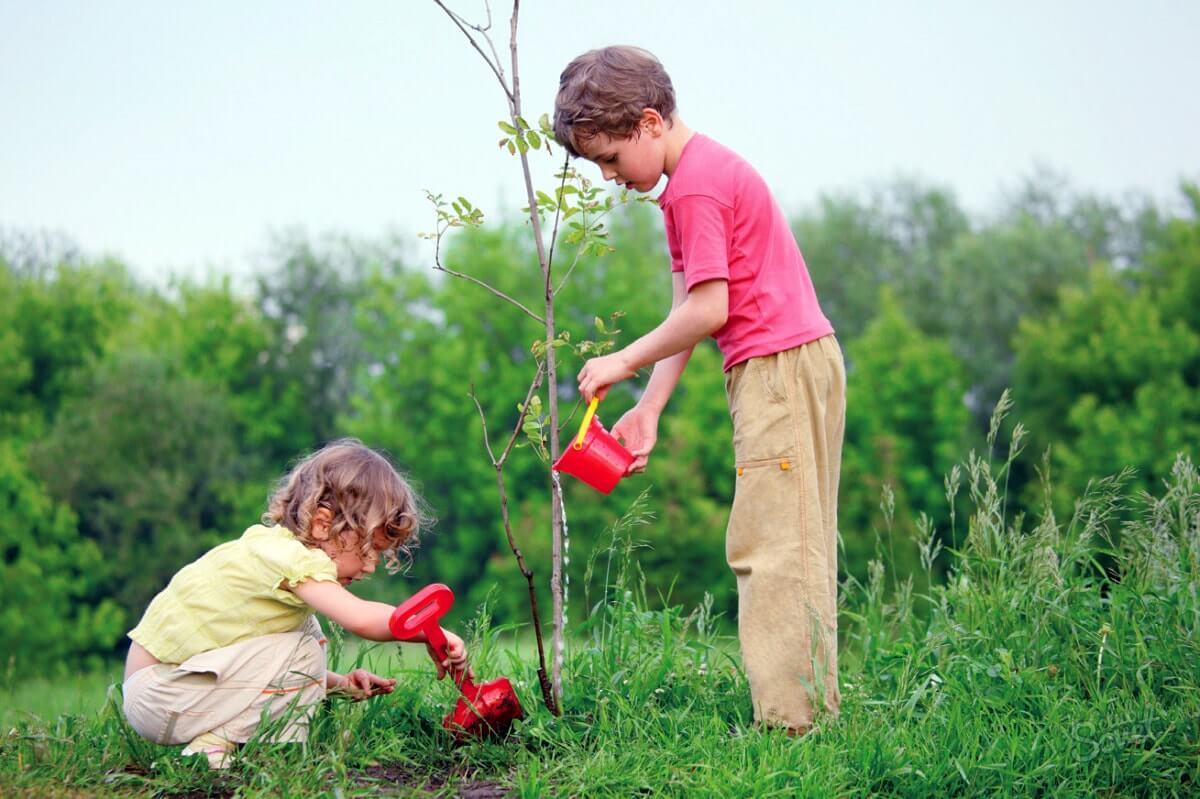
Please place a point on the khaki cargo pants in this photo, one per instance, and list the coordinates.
(789, 413)
(232, 691)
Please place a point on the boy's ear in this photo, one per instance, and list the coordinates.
(319, 527)
(651, 122)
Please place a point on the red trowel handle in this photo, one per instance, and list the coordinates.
(419, 614)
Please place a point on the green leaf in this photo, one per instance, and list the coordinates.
(507, 128)
(535, 141)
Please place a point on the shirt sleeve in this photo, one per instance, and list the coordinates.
(701, 226)
(290, 562)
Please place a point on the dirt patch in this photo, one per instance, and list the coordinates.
(464, 785)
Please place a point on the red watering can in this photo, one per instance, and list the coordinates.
(483, 710)
(595, 457)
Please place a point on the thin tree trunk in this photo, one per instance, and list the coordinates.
(556, 515)
(513, 95)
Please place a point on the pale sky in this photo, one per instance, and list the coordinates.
(177, 136)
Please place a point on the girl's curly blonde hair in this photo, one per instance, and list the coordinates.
(362, 491)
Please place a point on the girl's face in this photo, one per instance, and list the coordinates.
(344, 550)
(348, 559)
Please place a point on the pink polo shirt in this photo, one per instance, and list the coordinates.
(723, 224)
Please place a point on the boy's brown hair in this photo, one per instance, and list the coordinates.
(605, 91)
(364, 494)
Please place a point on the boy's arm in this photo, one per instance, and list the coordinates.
(701, 312)
(667, 371)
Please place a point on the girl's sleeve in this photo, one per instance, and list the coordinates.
(291, 563)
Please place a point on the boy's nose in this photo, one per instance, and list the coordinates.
(608, 174)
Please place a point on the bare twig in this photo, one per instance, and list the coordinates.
(549, 696)
(578, 253)
(558, 209)
(483, 422)
(442, 227)
(533, 387)
(492, 289)
(497, 70)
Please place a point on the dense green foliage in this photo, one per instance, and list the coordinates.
(1027, 672)
(141, 424)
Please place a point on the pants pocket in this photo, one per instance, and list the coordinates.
(766, 514)
(763, 428)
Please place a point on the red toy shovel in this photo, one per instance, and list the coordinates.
(484, 710)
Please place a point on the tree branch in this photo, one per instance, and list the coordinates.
(492, 289)
(497, 70)
(549, 696)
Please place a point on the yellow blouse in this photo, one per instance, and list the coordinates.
(232, 593)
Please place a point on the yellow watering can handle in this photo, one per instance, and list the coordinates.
(587, 422)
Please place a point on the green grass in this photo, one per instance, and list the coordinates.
(35, 700)
(1026, 672)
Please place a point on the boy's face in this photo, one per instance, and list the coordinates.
(636, 163)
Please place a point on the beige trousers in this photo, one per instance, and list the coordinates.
(789, 413)
(233, 690)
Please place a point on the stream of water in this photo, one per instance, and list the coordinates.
(566, 576)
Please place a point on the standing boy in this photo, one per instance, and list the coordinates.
(738, 276)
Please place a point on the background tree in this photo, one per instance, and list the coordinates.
(147, 461)
(54, 617)
(908, 425)
(1110, 377)
(308, 295)
(56, 318)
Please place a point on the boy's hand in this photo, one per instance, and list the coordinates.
(638, 431)
(599, 373)
(456, 656)
(361, 684)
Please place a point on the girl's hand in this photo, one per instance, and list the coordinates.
(599, 373)
(638, 431)
(361, 684)
(456, 656)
